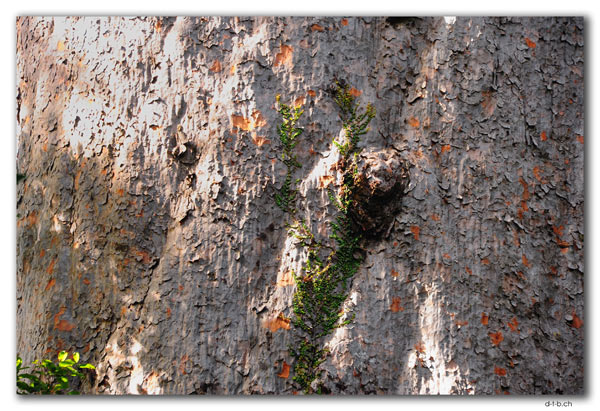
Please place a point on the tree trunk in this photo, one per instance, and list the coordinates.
(149, 238)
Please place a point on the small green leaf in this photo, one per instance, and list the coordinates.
(62, 355)
(76, 356)
(25, 387)
(31, 377)
(89, 366)
(66, 363)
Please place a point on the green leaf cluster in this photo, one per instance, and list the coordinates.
(322, 284)
(354, 120)
(46, 377)
(288, 134)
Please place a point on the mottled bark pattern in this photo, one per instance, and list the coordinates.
(148, 237)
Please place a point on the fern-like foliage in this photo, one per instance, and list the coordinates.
(322, 285)
(288, 135)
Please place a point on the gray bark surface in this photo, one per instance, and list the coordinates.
(148, 238)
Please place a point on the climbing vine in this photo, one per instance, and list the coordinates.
(322, 283)
(288, 134)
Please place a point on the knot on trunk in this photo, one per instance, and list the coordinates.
(380, 184)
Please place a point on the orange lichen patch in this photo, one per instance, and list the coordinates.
(415, 230)
(50, 269)
(284, 56)
(216, 66)
(120, 192)
(413, 122)
(158, 25)
(86, 281)
(468, 270)
(435, 217)
(558, 230)
(276, 323)
(123, 310)
(76, 180)
(536, 173)
(324, 181)
(168, 312)
(286, 279)
(285, 370)
(525, 261)
(496, 337)
(312, 93)
(184, 359)
(260, 140)
(354, 92)
(580, 139)
(344, 22)
(395, 273)
(395, 306)
(42, 253)
(525, 195)
(530, 43)
(30, 220)
(446, 148)
(564, 250)
(60, 46)
(577, 322)
(513, 324)
(316, 27)
(488, 103)
(300, 101)
(50, 284)
(516, 241)
(500, 371)
(62, 325)
(485, 319)
(461, 323)
(242, 122)
(248, 124)
(485, 261)
(143, 255)
(420, 347)
(154, 127)
(543, 136)
(446, 256)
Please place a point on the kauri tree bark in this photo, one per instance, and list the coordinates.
(148, 238)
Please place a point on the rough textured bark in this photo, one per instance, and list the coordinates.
(148, 238)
